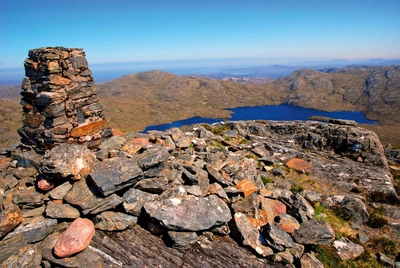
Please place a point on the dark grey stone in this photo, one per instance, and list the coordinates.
(315, 233)
(115, 174)
(135, 199)
(276, 238)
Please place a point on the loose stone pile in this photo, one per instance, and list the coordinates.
(187, 187)
(59, 100)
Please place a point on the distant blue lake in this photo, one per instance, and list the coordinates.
(276, 112)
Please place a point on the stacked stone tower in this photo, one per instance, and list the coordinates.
(59, 100)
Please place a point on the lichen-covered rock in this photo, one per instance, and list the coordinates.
(10, 217)
(347, 250)
(75, 238)
(69, 160)
(61, 211)
(34, 229)
(189, 213)
(249, 235)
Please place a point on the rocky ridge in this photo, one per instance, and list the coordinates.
(198, 192)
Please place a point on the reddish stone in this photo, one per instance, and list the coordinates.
(300, 165)
(247, 187)
(75, 238)
(117, 132)
(45, 185)
(140, 141)
(88, 129)
(277, 206)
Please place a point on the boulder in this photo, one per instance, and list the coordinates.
(276, 238)
(300, 165)
(248, 235)
(115, 174)
(347, 250)
(34, 229)
(135, 199)
(61, 211)
(75, 238)
(189, 213)
(69, 160)
(355, 209)
(315, 233)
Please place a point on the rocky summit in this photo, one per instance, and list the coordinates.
(223, 195)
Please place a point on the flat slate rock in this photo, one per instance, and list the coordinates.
(114, 174)
(189, 213)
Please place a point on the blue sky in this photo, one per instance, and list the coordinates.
(157, 30)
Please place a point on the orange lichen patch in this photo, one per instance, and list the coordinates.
(88, 129)
(9, 219)
(59, 80)
(256, 223)
(266, 216)
(300, 165)
(117, 132)
(247, 187)
(3, 160)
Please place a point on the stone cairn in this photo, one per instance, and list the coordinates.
(59, 100)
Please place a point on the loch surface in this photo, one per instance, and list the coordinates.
(276, 112)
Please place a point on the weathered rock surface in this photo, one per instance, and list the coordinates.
(189, 213)
(196, 190)
(347, 249)
(115, 174)
(314, 233)
(69, 160)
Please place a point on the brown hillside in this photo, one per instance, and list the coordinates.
(135, 101)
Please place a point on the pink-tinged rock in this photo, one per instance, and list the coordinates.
(247, 187)
(45, 184)
(117, 132)
(300, 165)
(75, 238)
(277, 206)
(140, 141)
